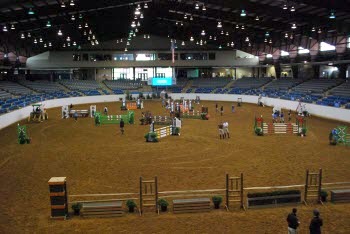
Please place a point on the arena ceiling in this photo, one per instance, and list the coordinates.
(273, 22)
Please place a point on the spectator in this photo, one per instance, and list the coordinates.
(316, 223)
(293, 222)
(121, 125)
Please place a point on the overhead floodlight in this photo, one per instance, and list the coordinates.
(59, 33)
(41, 40)
(183, 43)
(294, 26)
(286, 35)
(50, 44)
(203, 33)
(313, 29)
(137, 12)
(4, 28)
(31, 12)
(138, 24)
(191, 18)
(257, 18)
(28, 35)
(191, 39)
(196, 6)
(292, 9)
(68, 38)
(285, 7)
(247, 39)
(145, 6)
(74, 43)
(133, 24)
(141, 16)
(73, 18)
(13, 27)
(332, 15)
(22, 36)
(204, 9)
(227, 34)
(219, 24)
(63, 5)
(267, 34)
(243, 13)
(319, 30)
(35, 41)
(72, 3)
(48, 24)
(45, 45)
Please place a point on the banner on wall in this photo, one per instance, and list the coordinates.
(165, 81)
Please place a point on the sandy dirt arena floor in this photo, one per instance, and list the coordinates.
(101, 160)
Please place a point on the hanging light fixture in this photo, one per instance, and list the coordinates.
(220, 47)
(332, 15)
(204, 9)
(48, 24)
(196, 6)
(74, 43)
(197, 43)
(80, 16)
(257, 18)
(59, 33)
(73, 18)
(313, 29)
(270, 41)
(41, 40)
(292, 9)
(141, 16)
(62, 4)
(137, 11)
(13, 27)
(210, 37)
(133, 24)
(285, 7)
(286, 35)
(203, 33)
(28, 35)
(148, 37)
(4, 28)
(243, 13)
(96, 42)
(214, 38)
(93, 37)
(138, 24)
(183, 43)
(191, 18)
(86, 25)
(89, 38)
(72, 3)
(219, 24)
(247, 39)
(237, 26)
(136, 30)
(68, 38)
(242, 27)
(319, 30)
(22, 36)
(68, 44)
(85, 33)
(80, 27)
(31, 12)
(294, 26)
(127, 43)
(222, 32)
(191, 39)
(45, 45)
(227, 34)
(90, 32)
(185, 16)
(145, 6)
(35, 41)
(50, 44)
(265, 40)
(126, 49)
(267, 34)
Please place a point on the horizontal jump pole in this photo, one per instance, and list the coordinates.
(275, 187)
(192, 191)
(335, 183)
(330, 188)
(104, 200)
(191, 195)
(102, 195)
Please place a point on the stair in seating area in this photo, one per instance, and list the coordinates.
(188, 85)
(104, 86)
(229, 84)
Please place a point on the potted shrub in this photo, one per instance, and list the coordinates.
(131, 205)
(148, 96)
(324, 195)
(217, 201)
(151, 137)
(259, 132)
(163, 204)
(176, 131)
(77, 207)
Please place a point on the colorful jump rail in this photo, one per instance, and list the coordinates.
(343, 135)
(234, 196)
(262, 128)
(100, 119)
(156, 133)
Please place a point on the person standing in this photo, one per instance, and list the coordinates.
(316, 223)
(293, 222)
(105, 110)
(222, 110)
(221, 131)
(233, 108)
(216, 107)
(289, 115)
(121, 125)
(226, 131)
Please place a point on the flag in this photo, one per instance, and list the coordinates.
(173, 51)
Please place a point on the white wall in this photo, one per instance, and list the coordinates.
(322, 111)
(17, 115)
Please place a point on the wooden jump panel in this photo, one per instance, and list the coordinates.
(340, 195)
(102, 209)
(191, 205)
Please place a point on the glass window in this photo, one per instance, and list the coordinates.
(123, 73)
(326, 47)
(144, 73)
(144, 57)
(76, 57)
(211, 56)
(194, 56)
(122, 57)
(164, 72)
(167, 56)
